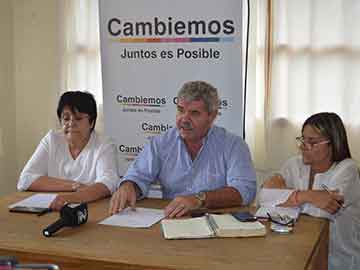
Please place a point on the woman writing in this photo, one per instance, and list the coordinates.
(325, 183)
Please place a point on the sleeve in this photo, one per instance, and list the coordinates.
(273, 197)
(145, 168)
(240, 171)
(37, 165)
(106, 167)
(344, 179)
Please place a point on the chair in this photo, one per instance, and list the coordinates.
(11, 263)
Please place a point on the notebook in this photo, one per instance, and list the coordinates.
(209, 226)
(36, 203)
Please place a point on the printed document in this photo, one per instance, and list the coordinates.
(140, 218)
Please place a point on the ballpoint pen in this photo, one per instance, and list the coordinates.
(325, 187)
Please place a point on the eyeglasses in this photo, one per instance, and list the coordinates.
(283, 220)
(66, 119)
(300, 141)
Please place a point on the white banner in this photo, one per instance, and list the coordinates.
(150, 48)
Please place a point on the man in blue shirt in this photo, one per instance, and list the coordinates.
(197, 163)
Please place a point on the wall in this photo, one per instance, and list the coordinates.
(7, 101)
(35, 74)
(28, 75)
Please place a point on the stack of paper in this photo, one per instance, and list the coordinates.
(140, 218)
(292, 212)
(269, 198)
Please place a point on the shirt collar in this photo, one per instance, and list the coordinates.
(306, 169)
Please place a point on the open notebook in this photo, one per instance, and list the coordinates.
(211, 225)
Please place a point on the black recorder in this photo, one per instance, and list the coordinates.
(71, 215)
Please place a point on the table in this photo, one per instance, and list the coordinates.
(94, 246)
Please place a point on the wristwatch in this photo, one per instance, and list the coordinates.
(201, 196)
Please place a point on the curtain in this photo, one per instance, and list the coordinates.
(80, 50)
(304, 58)
(311, 64)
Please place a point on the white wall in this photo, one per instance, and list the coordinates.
(7, 101)
(28, 76)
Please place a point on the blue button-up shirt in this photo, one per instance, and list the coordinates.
(223, 160)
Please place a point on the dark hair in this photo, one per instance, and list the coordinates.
(331, 126)
(82, 102)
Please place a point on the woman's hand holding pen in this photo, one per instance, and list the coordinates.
(330, 201)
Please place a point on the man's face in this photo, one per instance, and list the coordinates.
(192, 120)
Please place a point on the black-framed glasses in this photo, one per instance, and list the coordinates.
(301, 142)
(283, 220)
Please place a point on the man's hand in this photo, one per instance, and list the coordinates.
(181, 205)
(123, 197)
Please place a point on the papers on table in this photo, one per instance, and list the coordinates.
(273, 196)
(269, 198)
(292, 212)
(41, 200)
(140, 218)
(155, 191)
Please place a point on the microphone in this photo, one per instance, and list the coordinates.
(71, 215)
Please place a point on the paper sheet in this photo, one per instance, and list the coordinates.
(292, 212)
(273, 197)
(140, 218)
(41, 200)
(269, 198)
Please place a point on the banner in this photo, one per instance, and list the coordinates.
(149, 49)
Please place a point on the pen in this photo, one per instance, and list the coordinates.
(325, 187)
(44, 211)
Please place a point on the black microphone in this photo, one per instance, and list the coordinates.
(71, 215)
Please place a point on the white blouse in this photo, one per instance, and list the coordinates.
(95, 164)
(344, 246)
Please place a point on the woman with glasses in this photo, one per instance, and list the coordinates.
(324, 182)
(74, 159)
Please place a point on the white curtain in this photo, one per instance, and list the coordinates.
(80, 49)
(304, 58)
(311, 62)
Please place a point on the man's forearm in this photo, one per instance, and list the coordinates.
(223, 197)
